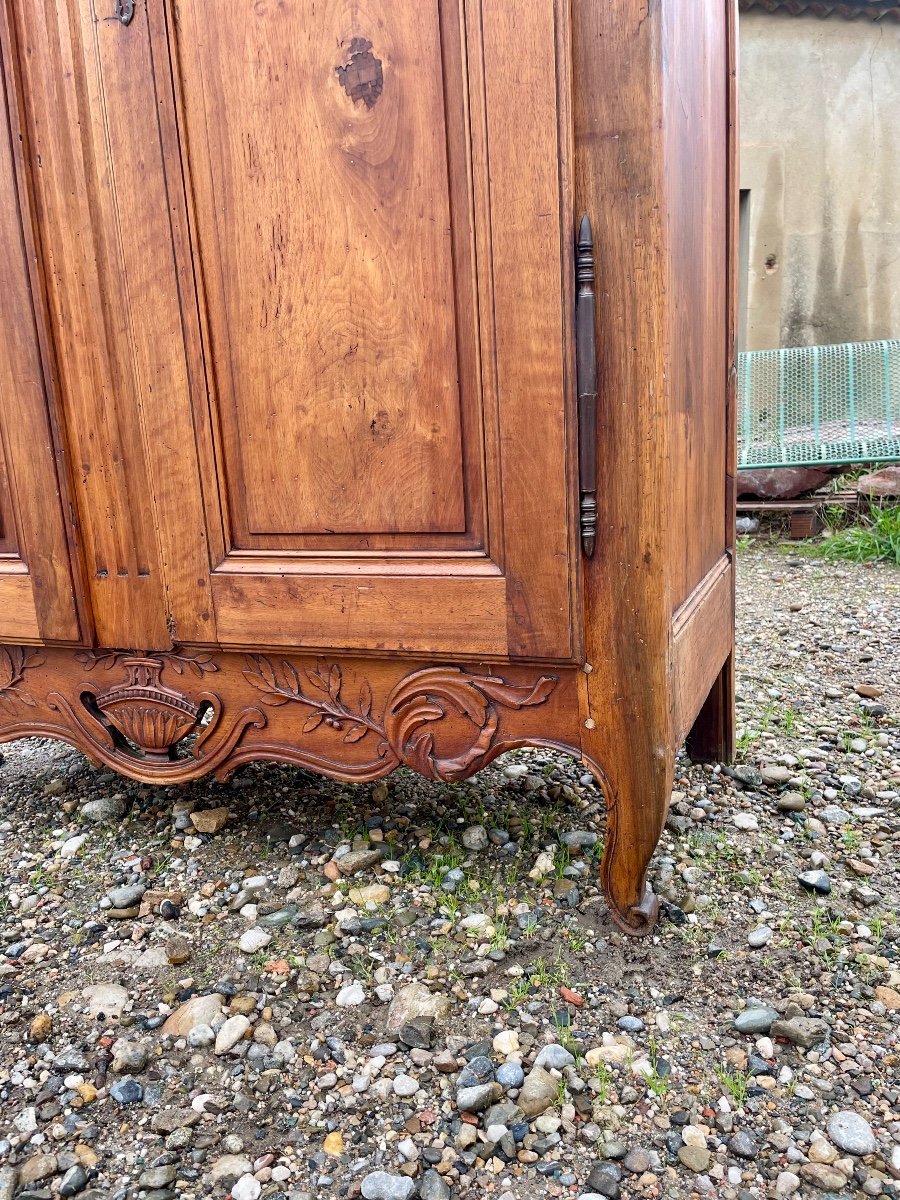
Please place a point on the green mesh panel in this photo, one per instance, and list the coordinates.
(816, 405)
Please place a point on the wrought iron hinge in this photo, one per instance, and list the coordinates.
(586, 375)
(125, 11)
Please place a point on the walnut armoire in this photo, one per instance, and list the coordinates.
(366, 388)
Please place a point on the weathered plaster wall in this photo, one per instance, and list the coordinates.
(820, 153)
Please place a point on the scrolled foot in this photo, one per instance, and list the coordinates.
(637, 920)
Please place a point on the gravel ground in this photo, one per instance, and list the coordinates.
(284, 987)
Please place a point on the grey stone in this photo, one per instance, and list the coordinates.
(637, 1161)
(433, 1187)
(474, 1099)
(510, 1075)
(73, 1182)
(126, 897)
(755, 1020)
(851, 1132)
(106, 808)
(759, 937)
(129, 1057)
(475, 837)
(579, 839)
(630, 1024)
(802, 1031)
(832, 815)
(555, 1057)
(815, 881)
(379, 1185)
(157, 1177)
(742, 1145)
(127, 1091)
(477, 1070)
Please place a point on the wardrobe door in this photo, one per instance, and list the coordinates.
(374, 247)
(37, 600)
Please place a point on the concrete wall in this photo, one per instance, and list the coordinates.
(820, 153)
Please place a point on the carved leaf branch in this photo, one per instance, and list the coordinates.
(14, 662)
(413, 707)
(281, 684)
(197, 664)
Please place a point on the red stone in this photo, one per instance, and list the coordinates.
(571, 997)
(780, 483)
(880, 483)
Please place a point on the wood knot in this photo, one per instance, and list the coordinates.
(362, 76)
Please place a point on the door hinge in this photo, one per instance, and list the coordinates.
(586, 377)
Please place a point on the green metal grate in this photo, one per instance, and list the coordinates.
(819, 405)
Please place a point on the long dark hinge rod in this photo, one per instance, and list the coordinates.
(586, 373)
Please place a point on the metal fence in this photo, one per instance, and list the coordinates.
(819, 405)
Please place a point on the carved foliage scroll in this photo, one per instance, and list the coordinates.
(405, 733)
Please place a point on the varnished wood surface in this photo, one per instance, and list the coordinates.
(695, 115)
(36, 586)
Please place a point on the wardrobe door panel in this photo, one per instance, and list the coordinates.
(37, 599)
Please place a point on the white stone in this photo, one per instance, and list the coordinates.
(246, 1188)
(254, 939)
(231, 1033)
(746, 821)
(506, 1042)
(106, 998)
(405, 1086)
(72, 845)
(350, 996)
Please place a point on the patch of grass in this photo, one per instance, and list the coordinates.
(602, 1078)
(657, 1082)
(875, 538)
(735, 1083)
(516, 994)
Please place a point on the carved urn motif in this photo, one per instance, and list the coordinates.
(152, 717)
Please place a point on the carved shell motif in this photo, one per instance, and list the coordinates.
(152, 717)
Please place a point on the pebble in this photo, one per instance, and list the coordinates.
(474, 1098)
(475, 837)
(760, 936)
(755, 1020)
(231, 1032)
(379, 1185)
(556, 1057)
(246, 1188)
(851, 1133)
(127, 1091)
(350, 996)
(815, 881)
(253, 940)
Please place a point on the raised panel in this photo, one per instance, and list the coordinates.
(37, 598)
(316, 144)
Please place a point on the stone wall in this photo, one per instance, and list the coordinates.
(820, 155)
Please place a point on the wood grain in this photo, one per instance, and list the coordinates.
(332, 320)
(702, 640)
(36, 590)
(695, 116)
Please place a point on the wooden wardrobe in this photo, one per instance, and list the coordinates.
(366, 388)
